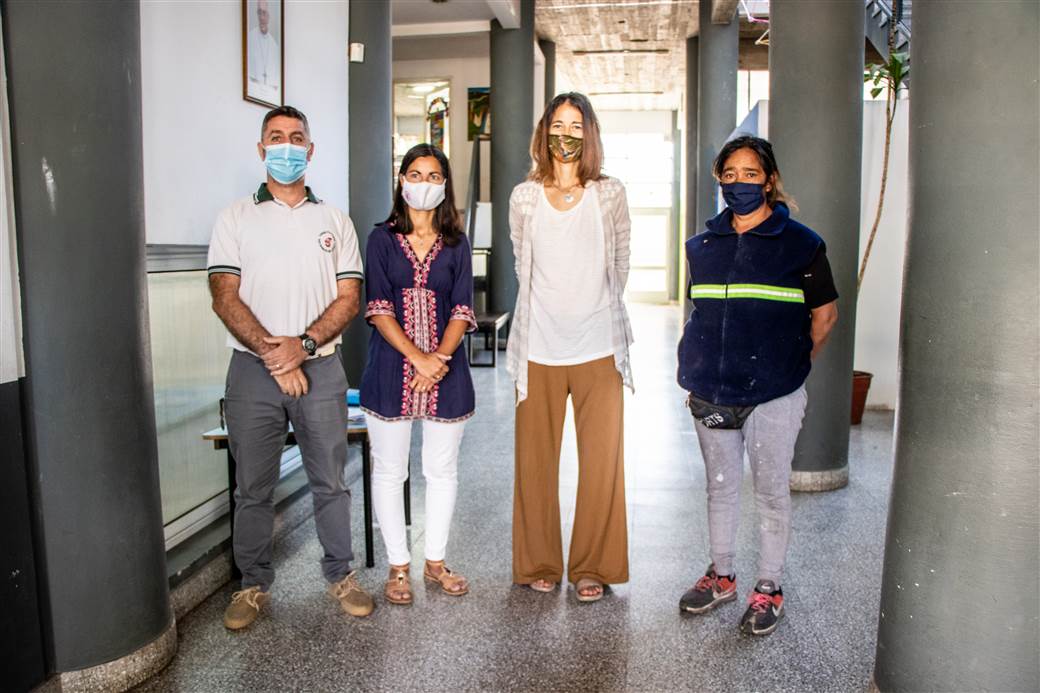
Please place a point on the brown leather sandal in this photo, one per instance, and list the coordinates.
(446, 579)
(398, 584)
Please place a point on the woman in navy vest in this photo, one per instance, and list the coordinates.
(764, 303)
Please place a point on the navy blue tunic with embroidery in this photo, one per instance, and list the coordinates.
(423, 297)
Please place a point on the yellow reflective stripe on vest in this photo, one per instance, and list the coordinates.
(764, 292)
(708, 291)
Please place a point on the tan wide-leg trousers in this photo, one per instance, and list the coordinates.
(599, 542)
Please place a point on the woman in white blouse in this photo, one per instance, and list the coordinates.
(569, 337)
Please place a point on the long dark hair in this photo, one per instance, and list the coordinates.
(591, 164)
(764, 151)
(446, 217)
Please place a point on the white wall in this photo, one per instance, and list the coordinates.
(462, 73)
(877, 313)
(12, 364)
(200, 135)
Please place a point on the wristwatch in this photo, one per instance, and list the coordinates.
(309, 345)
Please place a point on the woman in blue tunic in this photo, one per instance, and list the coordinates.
(419, 288)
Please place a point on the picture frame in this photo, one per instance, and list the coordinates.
(263, 52)
(478, 112)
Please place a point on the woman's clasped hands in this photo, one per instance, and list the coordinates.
(430, 369)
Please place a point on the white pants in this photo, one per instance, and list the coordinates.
(391, 441)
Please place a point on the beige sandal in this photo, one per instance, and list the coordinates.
(589, 583)
(544, 585)
(446, 579)
(398, 584)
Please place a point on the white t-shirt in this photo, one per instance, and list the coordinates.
(289, 259)
(570, 300)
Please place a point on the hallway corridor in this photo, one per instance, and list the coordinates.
(505, 637)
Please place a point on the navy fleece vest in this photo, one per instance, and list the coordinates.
(747, 340)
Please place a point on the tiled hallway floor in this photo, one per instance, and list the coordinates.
(503, 637)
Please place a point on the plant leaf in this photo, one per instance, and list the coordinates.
(875, 91)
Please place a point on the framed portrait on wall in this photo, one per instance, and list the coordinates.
(263, 45)
(478, 112)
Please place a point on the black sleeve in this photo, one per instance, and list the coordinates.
(817, 281)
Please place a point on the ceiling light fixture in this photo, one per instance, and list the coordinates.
(615, 5)
(424, 88)
(626, 93)
(623, 51)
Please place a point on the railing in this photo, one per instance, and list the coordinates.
(880, 13)
(189, 362)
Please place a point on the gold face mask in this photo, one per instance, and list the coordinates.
(565, 148)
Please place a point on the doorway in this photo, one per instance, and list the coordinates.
(639, 150)
(421, 114)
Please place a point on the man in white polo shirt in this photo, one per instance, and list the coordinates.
(285, 274)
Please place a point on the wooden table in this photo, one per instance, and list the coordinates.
(357, 432)
(489, 325)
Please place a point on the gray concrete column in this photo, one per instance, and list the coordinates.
(959, 597)
(512, 103)
(816, 126)
(692, 107)
(717, 100)
(549, 53)
(74, 72)
(371, 156)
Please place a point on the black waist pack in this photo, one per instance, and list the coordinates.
(717, 415)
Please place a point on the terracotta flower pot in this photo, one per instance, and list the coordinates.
(860, 385)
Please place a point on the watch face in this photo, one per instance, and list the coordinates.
(309, 345)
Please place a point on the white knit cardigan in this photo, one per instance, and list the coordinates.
(617, 227)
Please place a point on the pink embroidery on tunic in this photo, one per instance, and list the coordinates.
(420, 324)
(379, 307)
(461, 312)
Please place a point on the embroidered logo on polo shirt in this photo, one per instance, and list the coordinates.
(327, 241)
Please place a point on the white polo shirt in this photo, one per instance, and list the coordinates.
(289, 259)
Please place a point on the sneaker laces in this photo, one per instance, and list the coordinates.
(249, 596)
(705, 583)
(760, 602)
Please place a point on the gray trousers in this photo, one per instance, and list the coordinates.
(257, 414)
(768, 435)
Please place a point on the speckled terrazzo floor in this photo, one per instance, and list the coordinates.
(502, 637)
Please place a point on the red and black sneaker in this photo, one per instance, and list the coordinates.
(765, 609)
(710, 591)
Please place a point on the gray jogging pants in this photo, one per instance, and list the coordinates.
(768, 436)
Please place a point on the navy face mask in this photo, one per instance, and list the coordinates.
(743, 198)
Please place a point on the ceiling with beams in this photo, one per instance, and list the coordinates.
(631, 54)
(626, 54)
(620, 51)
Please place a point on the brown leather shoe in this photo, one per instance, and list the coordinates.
(245, 607)
(354, 600)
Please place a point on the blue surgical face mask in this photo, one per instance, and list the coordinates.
(744, 198)
(286, 162)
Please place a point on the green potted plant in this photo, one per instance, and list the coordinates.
(890, 78)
